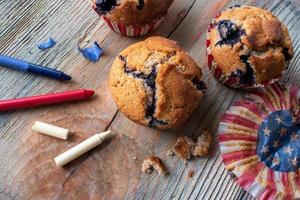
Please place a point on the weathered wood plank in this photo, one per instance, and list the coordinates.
(108, 172)
(210, 174)
(87, 74)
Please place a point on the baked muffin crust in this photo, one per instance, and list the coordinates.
(132, 12)
(156, 83)
(250, 43)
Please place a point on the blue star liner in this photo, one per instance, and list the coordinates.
(278, 143)
(259, 137)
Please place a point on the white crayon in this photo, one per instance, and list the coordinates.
(81, 148)
(51, 130)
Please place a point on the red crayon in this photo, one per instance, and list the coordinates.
(46, 99)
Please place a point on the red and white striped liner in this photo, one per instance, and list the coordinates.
(132, 31)
(228, 79)
(217, 72)
(129, 31)
(238, 140)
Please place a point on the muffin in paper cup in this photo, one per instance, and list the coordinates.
(147, 75)
(247, 47)
(132, 30)
(259, 139)
(132, 18)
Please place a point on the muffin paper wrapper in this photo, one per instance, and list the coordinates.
(132, 31)
(228, 79)
(259, 139)
(129, 31)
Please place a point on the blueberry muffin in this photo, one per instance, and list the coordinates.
(156, 83)
(248, 47)
(132, 17)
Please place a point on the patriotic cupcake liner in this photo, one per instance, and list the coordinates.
(259, 139)
(230, 80)
(132, 31)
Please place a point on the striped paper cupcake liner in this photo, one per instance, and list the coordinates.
(259, 139)
(132, 31)
(129, 31)
(230, 80)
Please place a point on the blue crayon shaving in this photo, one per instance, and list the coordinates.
(46, 44)
(92, 53)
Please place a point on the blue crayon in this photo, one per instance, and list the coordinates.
(24, 66)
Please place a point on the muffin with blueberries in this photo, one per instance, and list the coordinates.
(132, 17)
(248, 47)
(156, 83)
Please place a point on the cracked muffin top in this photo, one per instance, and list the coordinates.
(156, 83)
(132, 12)
(251, 44)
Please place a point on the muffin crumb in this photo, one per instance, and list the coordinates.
(191, 173)
(185, 147)
(170, 153)
(203, 143)
(232, 175)
(153, 163)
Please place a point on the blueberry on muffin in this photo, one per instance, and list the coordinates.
(103, 7)
(156, 83)
(248, 47)
(132, 17)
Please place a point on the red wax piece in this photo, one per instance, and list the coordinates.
(46, 99)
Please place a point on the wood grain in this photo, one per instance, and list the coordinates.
(111, 170)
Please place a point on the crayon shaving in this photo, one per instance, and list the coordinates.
(46, 44)
(91, 53)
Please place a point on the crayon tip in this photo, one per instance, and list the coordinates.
(88, 93)
(65, 77)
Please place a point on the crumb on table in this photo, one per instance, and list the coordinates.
(153, 163)
(170, 153)
(134, 158)
(203, 143)
(191, 173)
(185, 147)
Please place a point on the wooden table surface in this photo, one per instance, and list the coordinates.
(27, 169)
